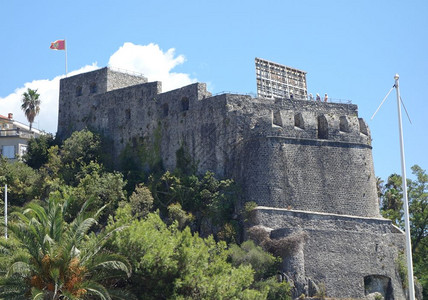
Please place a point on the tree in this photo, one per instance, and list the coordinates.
(141, 201)
(23, 182)
(418, 207)
(211, 201)
(77, 152)
(49, 258)
(392, 200)
(392, 208)
(31, 105)
(172, 264)
(38, 150)
(265, 266)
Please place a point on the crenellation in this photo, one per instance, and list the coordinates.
(309, 162)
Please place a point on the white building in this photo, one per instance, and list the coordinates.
(14, 137)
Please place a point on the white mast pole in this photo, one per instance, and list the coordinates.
(5, 210)
(406, 201)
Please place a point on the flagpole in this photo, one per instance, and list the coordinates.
(5, 210)
(406, 201)
(65, 46)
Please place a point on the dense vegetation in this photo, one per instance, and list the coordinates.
(392, 207)
(79, 230)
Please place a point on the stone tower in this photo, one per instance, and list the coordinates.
(308, 166)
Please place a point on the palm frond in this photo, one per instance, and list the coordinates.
(121, 295)
(97, 289)
(100, 241)
(20, 216)
(76, 233)
(37, 294)
(113, 265)
(48, 240)
(13, 287)
(19, 267)
(85, 206)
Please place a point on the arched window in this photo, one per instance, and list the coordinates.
(378, 283)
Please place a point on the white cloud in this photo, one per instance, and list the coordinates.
(48, 89)
(154, 63)
(150, 60)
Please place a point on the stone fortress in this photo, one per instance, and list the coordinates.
(308, 165)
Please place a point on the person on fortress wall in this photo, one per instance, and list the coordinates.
(325, 97)
(311, 97)
(318, 97)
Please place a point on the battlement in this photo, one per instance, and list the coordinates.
(310, 163)
(275, 148)
(301, 119)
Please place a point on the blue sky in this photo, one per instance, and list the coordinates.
(349, 49)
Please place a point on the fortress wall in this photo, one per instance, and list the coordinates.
(126, 115)
(142, 114)
(341, 259)
(271, 147)
(117, 80)
(207, 131)
(311, 175)
(339, 251)
(120, 114)
(191, 123)
(82, 94)
(187, 117)
(309, 156)
(74, 96)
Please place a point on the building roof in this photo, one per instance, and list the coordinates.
(20, 125)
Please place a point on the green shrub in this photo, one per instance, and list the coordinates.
(401, 265)
(141, 201)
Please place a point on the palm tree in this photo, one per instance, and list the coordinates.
(31, 105)
(53, 259)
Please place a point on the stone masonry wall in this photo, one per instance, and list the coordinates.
(339, 251)
(311, 175)
(292, 156)
(300, 154)
(83, 94)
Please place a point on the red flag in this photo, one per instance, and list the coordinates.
(58, 45)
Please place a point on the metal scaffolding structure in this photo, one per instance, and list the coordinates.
(279, 81)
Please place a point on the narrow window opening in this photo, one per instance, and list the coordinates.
(128, 114)
(93, 88)
(184, 104)
(165, 109)
(78, 91)
(298, 121)
(322, 128)
(344, 124)
(277, 120)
